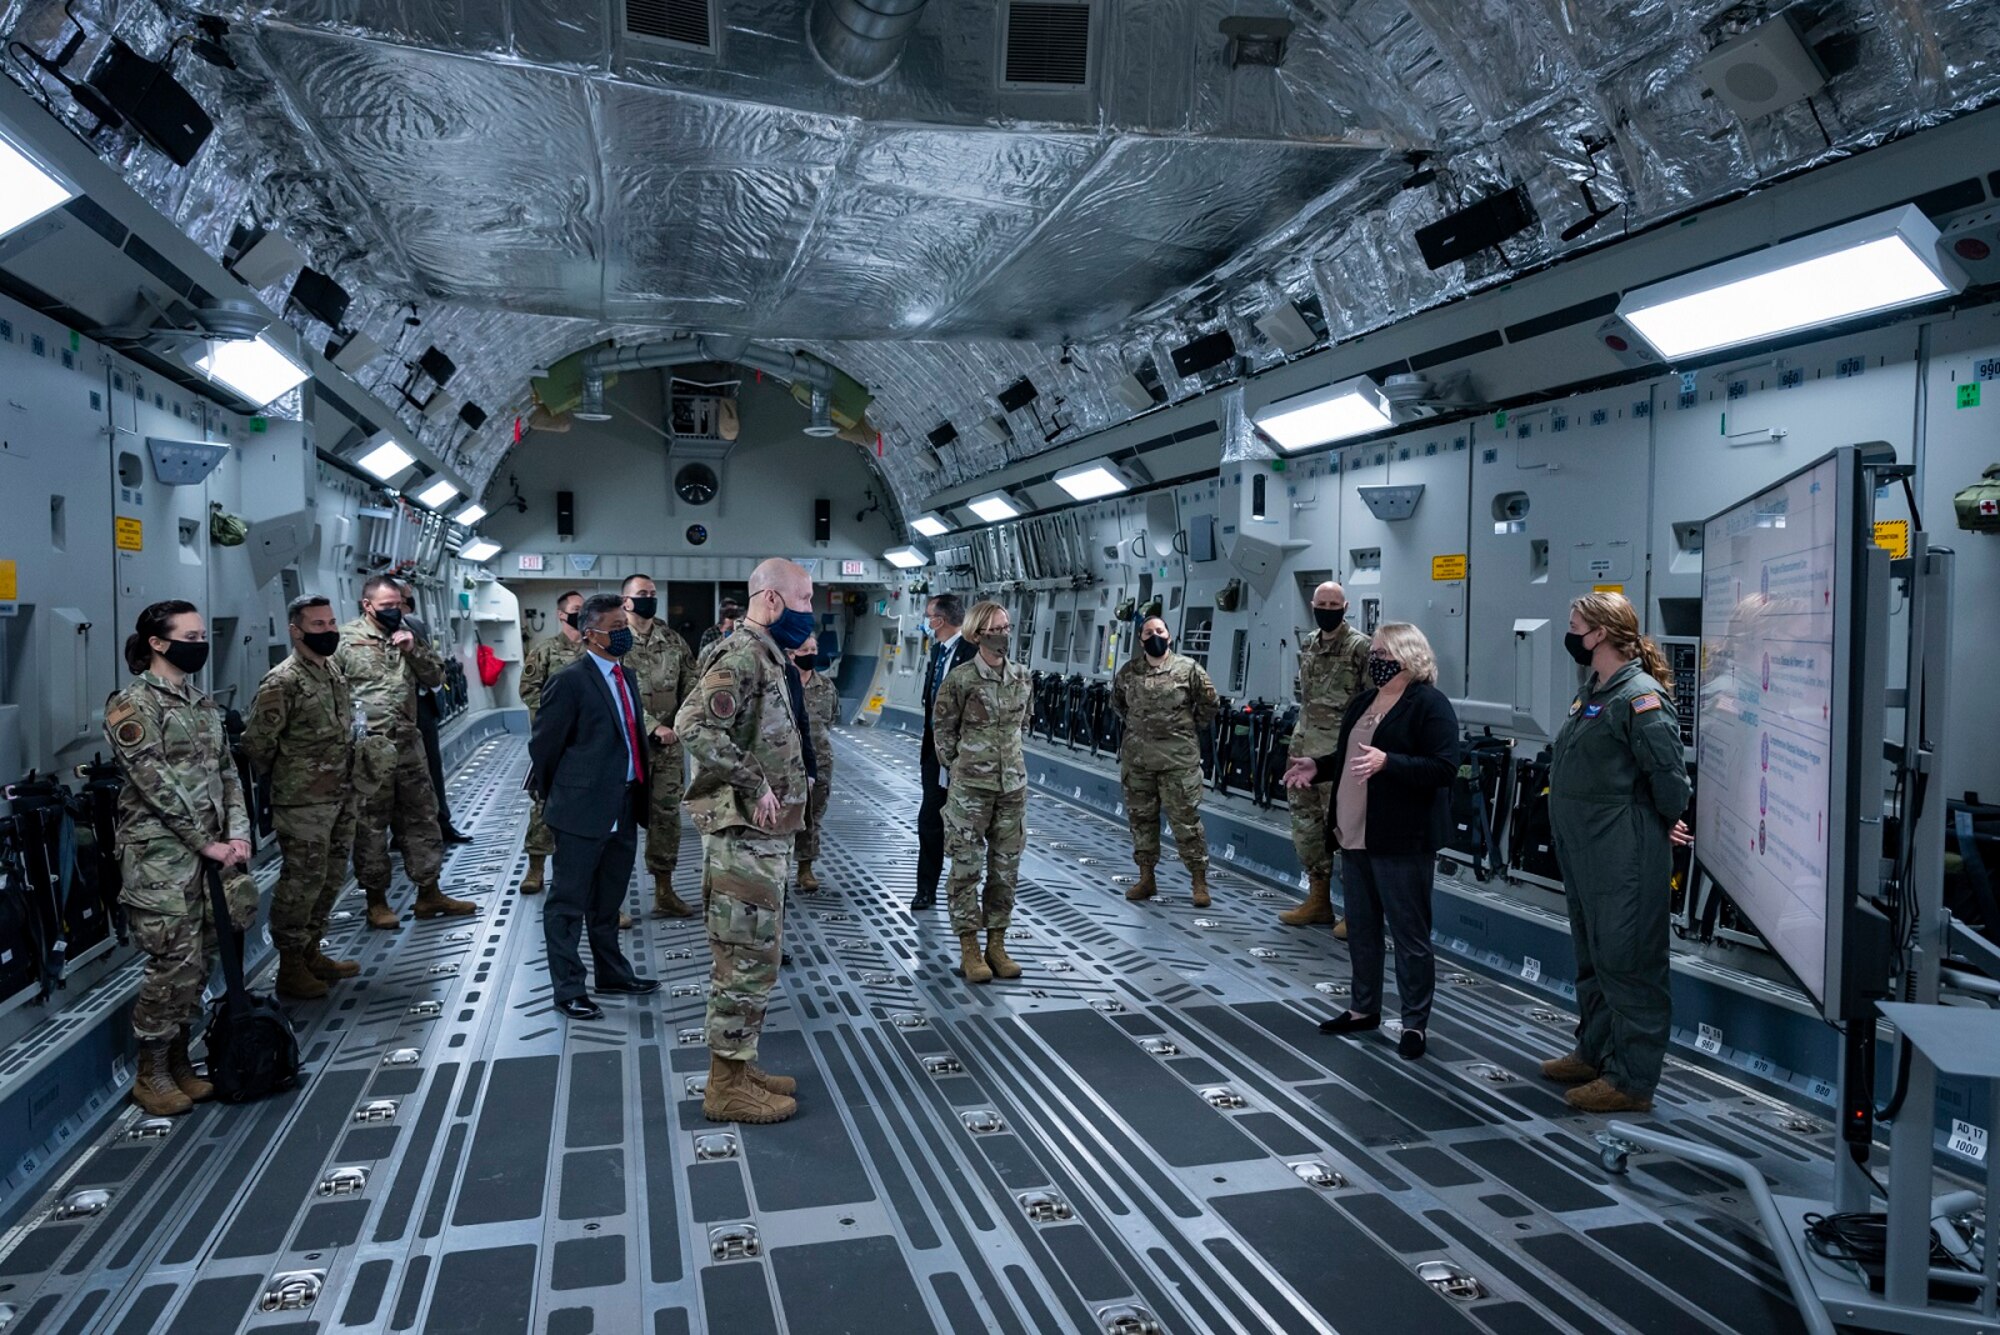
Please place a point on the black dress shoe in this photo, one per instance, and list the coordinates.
(1348, 1023)
(580, 1008)
(456, 837)
(638, 987)
(1411, 1045)
(926, 899)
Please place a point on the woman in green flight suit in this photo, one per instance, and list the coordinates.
(1617, 786)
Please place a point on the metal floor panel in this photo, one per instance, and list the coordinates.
(1146, 1126)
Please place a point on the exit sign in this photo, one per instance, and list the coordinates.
(529, 561)
(853, 567)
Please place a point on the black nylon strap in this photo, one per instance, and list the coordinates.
(229, 941)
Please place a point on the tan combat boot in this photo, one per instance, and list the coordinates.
(380, 915)
(1569, 1069)
(153, 1088)
(180, 1069)
(329, 970)
(971, 962)
(667, 904)
(626, 922)
(435, 903)
(733, 1096)
(807, 881)
(1145, 887)
(997, 957)
(1601, 1096)
(1200, 875)
(1318, 907)
(296, 978)
(1340, 929)
(531, 884)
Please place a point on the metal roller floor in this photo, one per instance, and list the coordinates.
(1145, 1132)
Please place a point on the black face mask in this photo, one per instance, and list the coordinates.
(1382, 671)
(1156, 645)
(1574, 643)
(187, 656)
(569, 619)
(388, 618)
(643, 608)
(1329, 619)
(805, 662)
(322, 642)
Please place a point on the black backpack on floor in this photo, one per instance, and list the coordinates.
(252, 1051)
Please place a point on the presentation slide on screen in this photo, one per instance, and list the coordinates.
(1764, 730)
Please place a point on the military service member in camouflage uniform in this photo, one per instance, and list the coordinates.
(1333, 665)
(1166, 701)
(748, 798)
(978, 723)
(383, 663)
(547, 657)
(822, 708)
(181, 805)
(666, 677)
(721, 630)
(302, 734)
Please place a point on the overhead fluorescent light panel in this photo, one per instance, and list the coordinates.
(931, 524)
(1092, 481)
(479, 549)
(437, 493)
(471, 514)
(1871, 265)
(27, 189)
(1341, 411)
(995, 506)
(254, 369)
(906, 558)
(385, 460)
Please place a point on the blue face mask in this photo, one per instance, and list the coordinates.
(619, 643)
(792, 629)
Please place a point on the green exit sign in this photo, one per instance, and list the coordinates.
(1968, 394)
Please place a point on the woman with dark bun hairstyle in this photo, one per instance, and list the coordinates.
(181, 806)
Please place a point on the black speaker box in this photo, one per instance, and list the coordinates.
(565, 514)
(1018, 395)
(1476, 227)
(152, 102)
(822, 520)
(320, 297)
(1204, 354)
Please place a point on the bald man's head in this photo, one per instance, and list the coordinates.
(778, 585)
(1329, 595)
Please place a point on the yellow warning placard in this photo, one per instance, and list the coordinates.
(129, 534)
(1893, 537)
(1448, 567)
(1607, 588)
(10, 587)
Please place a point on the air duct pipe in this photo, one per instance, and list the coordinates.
(787, 366)
(859, 41)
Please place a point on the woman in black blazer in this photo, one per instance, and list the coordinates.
(1397, 754)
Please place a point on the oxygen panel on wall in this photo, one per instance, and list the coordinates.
(1424, 563)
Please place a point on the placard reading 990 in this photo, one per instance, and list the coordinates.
(1765, 729)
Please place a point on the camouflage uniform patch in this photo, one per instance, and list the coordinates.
(1166, 709)
(1332, 670)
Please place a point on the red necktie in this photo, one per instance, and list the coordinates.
(631, 723)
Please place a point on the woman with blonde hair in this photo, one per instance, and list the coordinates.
(1397, 753)
(1617, 786)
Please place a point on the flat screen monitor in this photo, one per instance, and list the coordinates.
(1783, 772)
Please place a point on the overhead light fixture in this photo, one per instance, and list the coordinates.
(385, 460)
(994, 506)
(931, 524)
(254, 369)
(1351, 408)
(906, 558)
(591, 407)
(27, 189)
(471, 514)
(1874, 264)
(1089, 482)
(436, 494)
(821, 426)
(479, 549)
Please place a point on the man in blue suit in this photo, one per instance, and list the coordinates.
(587, 758)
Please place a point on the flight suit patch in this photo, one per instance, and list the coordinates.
(1592, 711)
(722, 704)
(1575, 705)
(130, 733)
(1642, 703)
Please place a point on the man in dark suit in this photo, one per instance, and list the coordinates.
(588, 767)
(945, 614)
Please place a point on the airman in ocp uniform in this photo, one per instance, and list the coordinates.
(822, 701)
(546, 657)
(1167, 701)
(383, 664)
(1333, 667)
(303, 732)
(181, 806)
(748, 798)
(665, 668)
(979, 722)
